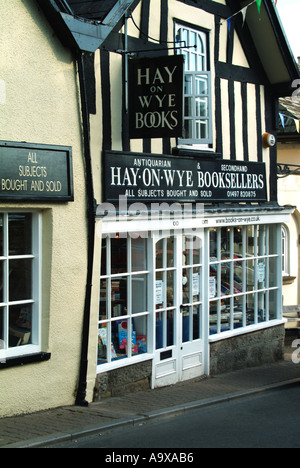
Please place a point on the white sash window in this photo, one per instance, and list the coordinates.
(197, 86)
(20, 284)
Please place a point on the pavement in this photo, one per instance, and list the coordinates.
(70, 422)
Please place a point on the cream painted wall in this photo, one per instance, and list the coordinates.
(39, 104)
(288, 194)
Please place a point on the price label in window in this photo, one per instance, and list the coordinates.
(159, 292)
(196, 284)
(261, 272)
(212, 287)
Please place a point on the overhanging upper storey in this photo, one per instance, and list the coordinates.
(271, 44)
(84, 25)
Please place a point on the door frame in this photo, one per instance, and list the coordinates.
(181, 360)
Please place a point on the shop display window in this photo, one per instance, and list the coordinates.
(165, 287)
(243, 282)
(152, 291)
(19, 283)
(123, 305)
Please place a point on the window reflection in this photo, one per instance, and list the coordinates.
(123, 307)
(243, 269)
(139, 293)
(20, 279)
(118, 255)
(2, 328)
(20, 325)
(138, 254)
(119, 304)
(20, 234)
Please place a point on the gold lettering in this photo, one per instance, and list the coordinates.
(32, 171)
(32, 158)
(37, 186)
(14, 185)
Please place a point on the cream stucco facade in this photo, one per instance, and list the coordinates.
(288, 194)
(39, 104)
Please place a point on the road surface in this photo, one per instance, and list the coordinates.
(268, 420)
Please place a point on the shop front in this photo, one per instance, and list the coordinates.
(171, 294)
(151, 291)
(180, 143)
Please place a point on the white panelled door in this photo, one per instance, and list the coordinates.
(178, 304)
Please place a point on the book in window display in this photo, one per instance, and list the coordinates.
(141, 341)
(123, 339)
(119, 297)
(103, 300)
(102, 346)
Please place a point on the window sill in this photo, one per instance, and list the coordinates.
(196, 153)
(23, 360)
(288, 280)
(246, 330)
(101, 368)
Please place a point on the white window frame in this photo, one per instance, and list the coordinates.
(274, 223)
(200, 69)
(36, 257)
(256, 258)
(129, 275)
(285, 251)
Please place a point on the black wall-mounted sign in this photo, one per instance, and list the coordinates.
(35, 172)
(156, 97)
(157, 178)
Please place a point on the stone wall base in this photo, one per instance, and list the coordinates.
(128, 379)
(249, 350)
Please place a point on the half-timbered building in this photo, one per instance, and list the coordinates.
(178, 108)
(182, 98)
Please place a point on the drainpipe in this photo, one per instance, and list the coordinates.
(91, 220)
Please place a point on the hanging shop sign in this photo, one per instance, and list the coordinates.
(35, 172)
(156, 97)
(151, 178)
